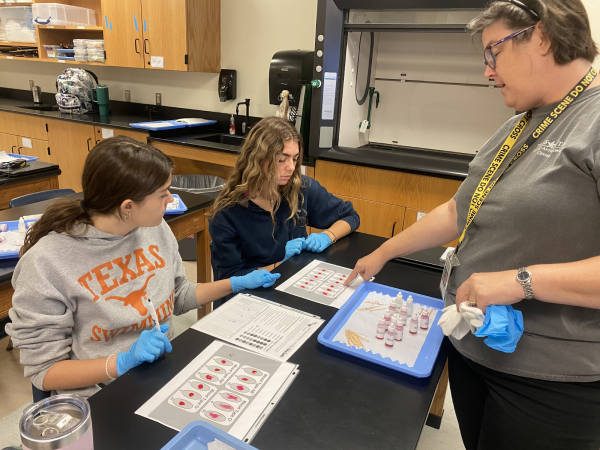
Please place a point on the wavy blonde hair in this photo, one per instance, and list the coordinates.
(264, 145)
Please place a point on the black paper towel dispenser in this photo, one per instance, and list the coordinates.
(289, 70)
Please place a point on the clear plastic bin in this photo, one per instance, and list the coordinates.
(81, 58)
(79, 42)
(96, 57)
(18, 24)
(51, 51)
(80, 51)
(95, 43)
(57, 14)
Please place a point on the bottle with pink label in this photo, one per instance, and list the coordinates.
(399, 330)
(390, 336)
(414, 323)
(425, 319)
(404, 313)
(380, 328)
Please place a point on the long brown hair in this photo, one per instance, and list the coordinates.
(264, 144)
(116, 170)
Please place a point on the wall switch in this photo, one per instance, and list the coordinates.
(31, 84)
(127, 96)
(158, 99)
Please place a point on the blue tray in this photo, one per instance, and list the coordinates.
(168, 124)
(13, 225)
(182, 207)
(428, 354)
(26, 158)
(196, 435)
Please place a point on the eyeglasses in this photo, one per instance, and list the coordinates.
(488, 55)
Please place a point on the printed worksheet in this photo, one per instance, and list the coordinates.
(265, 327)
(228, 387)
(322, 282)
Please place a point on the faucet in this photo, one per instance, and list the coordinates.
(152, 109)
(237, 112)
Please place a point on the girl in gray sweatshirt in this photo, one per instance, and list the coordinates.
(79, 315)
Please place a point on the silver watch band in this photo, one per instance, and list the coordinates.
(526, 283)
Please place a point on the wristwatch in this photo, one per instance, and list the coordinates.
(524, 278)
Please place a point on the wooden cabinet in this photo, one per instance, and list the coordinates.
(70, 144)
(378, 219)
(34, 147)
(413, 215)
(101, 132)
(18, 135)
(183, 35)
(23, 125)
(8, 143)
(123, 33)
(384, 197)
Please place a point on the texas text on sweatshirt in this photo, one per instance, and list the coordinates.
(82, 297)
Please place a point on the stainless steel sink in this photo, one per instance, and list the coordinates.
(223, 139)
(41, 107)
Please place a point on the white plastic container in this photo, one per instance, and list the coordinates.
(57, 14)
(95, 44)
(51, 51)
(18, 24)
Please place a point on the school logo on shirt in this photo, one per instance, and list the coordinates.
(547, 148)
(110, 275)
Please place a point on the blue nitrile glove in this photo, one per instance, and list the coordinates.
(293, 247)
(256, 279)
(317, 242)
(503, 328)
(149, 346)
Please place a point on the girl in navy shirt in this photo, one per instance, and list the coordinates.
(261, 215)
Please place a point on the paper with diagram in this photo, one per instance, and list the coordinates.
(321, 282)
(265, 327)
(228, 387)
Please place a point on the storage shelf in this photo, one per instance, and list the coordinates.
(18, 44)
(70, 27)
(19, 58)
(14, 4)
(62, 61)
(408, 27)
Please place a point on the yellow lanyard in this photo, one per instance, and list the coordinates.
(485, 187)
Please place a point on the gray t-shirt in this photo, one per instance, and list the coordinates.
(544, 210)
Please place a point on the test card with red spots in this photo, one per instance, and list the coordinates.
(224, 407)
(309, 287)
(247, 380)
(218, 370)
(192, 395)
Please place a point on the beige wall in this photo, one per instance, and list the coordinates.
(251, 32)
(593, 9)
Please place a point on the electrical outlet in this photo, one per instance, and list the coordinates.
(127, 96)
(31, 84)
(158, 99)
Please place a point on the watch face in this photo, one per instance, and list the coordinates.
(523, 276)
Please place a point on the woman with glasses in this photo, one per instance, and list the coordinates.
(527, 221)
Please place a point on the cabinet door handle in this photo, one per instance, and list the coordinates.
(12, 149)
(145, 50)
(97, 141)
(393, 229)
(19, 150)
(88, 143)
(136, 44)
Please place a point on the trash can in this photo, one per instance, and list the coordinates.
(196, 184)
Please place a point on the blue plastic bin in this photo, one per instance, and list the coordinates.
(197, 435)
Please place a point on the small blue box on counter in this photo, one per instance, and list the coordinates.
(423, 365)
(197, 435)
(182, 208)
(168, 124)
(25, 157)
(13, 225)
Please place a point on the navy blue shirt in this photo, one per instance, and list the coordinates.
(243, 238)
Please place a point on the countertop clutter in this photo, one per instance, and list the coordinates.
(426, 162)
